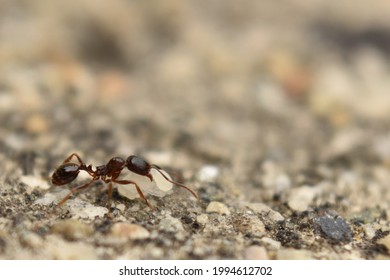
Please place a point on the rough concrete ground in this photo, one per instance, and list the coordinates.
(277, 116)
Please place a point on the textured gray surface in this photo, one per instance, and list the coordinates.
(277, 116)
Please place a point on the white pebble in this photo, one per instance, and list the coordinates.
(171, 224)
(261, 208)
(34, 182)
(202, 219)
(63, 250)
(271, 243)
(84, 210)
(208, 173)
(256, 253)
(294, 254)
(72, 229)
(121, 207)
(300, 198)
(52, 197)
(130, 231)
(369, 231)
(217, 207)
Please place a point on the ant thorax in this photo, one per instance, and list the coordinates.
(101, 170)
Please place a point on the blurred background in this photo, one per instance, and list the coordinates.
(258, 87)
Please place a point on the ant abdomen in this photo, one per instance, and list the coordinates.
(65, 174)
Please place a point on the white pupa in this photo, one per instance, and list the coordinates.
(158, 187)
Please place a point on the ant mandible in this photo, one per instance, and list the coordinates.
(108, 173)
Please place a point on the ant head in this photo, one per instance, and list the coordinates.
(139, 166)
(65, 173)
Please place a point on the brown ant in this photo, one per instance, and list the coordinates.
(108, 173)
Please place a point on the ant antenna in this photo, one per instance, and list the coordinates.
(156, 167)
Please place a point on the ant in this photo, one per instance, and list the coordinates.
(108, 173)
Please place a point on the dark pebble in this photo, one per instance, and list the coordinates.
(335, 229)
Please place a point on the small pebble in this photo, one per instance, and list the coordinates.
(156, 253)
(261, 208)
(200, 251)
(294, 254)
(272, 98)
(369, 231)
(171, 224)
(217, 207)
(52, 197)
(37, 124)
(63, 250)
(335, 229)
(257, 226)
(385, 241)
(34, 182)
(255, 253)
(14, 141)
(300, 198)
(271, 243)
(130, 231)
(208, 173)
(72, 229)
(250, 225)
(282, 182)
(202, 219)
(121, 207)
(31, 240)
(84, 210)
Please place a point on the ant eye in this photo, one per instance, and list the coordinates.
(65, 174)
(138, 165)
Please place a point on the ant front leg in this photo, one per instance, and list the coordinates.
(141, 194)
(74, 190)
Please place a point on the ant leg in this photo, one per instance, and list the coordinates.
(141, 194)
(74, 155)
(175, 183)
(72, 191)
(109, 197)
